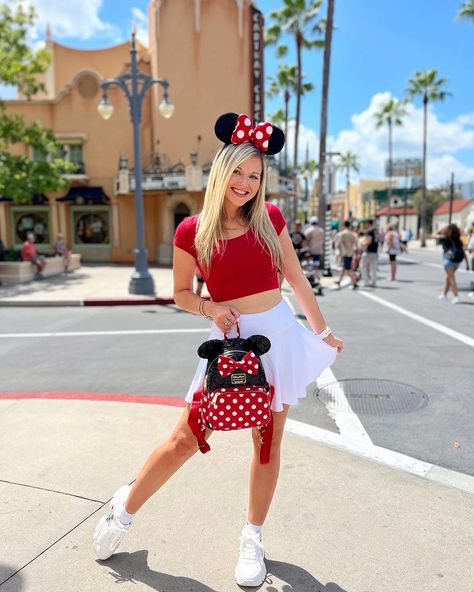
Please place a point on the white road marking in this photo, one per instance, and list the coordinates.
(354, 439)
(424, 321)
(348, 422)
(404, 259)
(101, 333)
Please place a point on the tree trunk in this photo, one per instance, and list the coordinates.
(423, 181)
(348, 182)
(297, 122)
(287, 99)
(390, 150)
(322, 137)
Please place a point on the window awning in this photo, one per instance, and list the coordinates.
(85, 195)
(37, 199)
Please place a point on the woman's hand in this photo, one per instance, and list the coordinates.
(224, 316)
(333, 341)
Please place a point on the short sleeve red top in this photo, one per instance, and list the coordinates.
(242, 268)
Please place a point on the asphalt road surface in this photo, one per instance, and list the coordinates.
(397, 332)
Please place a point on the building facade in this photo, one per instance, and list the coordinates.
(211, 52)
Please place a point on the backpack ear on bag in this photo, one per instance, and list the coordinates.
(210, 349)
(259, 344)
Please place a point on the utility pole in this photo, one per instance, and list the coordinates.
(451, 199)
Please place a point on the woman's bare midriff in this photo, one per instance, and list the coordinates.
(256, 302)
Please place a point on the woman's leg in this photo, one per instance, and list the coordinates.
(452, 280)
(446, 282)
(162, 463)
(263, 478)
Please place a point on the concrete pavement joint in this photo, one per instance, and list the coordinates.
(88, 499)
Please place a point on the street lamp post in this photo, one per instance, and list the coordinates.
(327, 179)
(135, 84)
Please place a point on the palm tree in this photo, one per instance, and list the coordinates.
(286, 81)
(466, 11)
(297, 17)
(278, 118)
(428, 86)
(348, 162)
(324, 119)
(390, 113)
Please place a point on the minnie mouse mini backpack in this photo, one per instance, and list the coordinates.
(235, 394)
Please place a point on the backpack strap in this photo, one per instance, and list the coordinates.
(196, 424)
(266, 433)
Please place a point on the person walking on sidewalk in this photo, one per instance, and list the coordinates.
(392, 248)
(239, 242)
(346, 242)
(315, 240)
(370, 255)
(453, 254)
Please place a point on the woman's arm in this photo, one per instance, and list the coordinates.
(304, 293)
(184, 267)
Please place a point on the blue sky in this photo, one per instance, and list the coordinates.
(377, 46)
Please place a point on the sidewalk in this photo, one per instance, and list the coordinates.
(94, 285)
(338, 523)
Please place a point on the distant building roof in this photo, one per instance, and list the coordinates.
(458, 206)
(396, 211)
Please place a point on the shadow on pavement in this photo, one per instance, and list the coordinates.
(133, 567)
(296, 579)
(6, 573)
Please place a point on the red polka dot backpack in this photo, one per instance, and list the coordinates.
(236, 394)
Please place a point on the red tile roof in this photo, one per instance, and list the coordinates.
(399, 211)
(458, 205)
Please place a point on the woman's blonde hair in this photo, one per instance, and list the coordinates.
(210, 228)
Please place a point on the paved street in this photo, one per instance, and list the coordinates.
(152, 351)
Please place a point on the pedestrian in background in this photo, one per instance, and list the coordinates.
(315, 240)
(392, 248)
(61, 249)
(29, 253)
(346, 242)
(470, 250)
(298, 239)
(239, 242)
(453, 254)
(370, 254)
(404, 240)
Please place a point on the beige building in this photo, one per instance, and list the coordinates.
(213, 65)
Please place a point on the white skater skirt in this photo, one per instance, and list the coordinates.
(296, 357)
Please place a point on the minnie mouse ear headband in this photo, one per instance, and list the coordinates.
(231, 128)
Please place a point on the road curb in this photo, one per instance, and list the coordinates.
(104, 301)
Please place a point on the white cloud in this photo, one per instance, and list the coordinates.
(141, 21)
(74, 18)
(445, 139)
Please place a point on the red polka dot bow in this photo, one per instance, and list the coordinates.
(247, 364)
(244, 132)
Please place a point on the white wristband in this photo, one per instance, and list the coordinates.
(327, 331)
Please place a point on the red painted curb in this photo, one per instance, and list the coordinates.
(125, 301)
(111, 397)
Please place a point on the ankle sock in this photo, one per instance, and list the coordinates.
(257, 529)
(123, 516)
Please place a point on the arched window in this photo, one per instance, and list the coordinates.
(180, 213)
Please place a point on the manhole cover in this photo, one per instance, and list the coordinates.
(371, 397)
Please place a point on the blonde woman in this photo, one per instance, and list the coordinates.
(239, 243)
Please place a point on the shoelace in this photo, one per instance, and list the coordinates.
(249, 547)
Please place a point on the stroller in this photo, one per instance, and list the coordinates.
(311, 270)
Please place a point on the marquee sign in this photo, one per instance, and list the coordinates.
(257, 65)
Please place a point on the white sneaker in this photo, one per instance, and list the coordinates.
(109, 532)
(250, 570)
(442, 297)
(455, 300)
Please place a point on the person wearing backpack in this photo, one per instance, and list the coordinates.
(453, 255)
(240, 243)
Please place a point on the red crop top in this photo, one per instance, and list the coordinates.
(242, 268)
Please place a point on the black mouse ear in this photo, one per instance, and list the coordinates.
(259, 344)
(210, 349)
(276, 141)
(225, 126)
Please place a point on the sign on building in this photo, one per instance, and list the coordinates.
(257, 64)
(405, 167)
